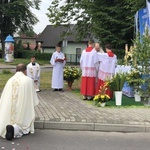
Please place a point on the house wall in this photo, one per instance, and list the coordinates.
(49, 50)
(71, 48)
(70, 51)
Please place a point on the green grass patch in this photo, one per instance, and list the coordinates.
(126, 101)
(6, 71)
(25, 61)
(4, 77)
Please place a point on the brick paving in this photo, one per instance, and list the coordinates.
(66, 108)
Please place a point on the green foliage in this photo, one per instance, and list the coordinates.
(117, 81)
(29, 33)
(119, 53)
(134, 79)
(5, 71)
(101, 97)
(141, 61)
(39, 56)
(71, 73)
(108, 21)
(16, 14)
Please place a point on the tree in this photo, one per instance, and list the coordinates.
(16, 14)
(29, 33)
(109, 21)
(141, 62)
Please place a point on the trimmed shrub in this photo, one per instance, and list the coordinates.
(29, 53)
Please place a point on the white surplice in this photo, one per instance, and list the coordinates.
(17, 103)
(88, 63)
(107, 66)
(57, 74)
(33, 71)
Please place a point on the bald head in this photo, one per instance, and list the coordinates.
(97, 47)
(21, 67)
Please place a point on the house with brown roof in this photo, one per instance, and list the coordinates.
(51, 36)
(26, 39)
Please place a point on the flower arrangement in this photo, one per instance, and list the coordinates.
(102, 97)
(134, 79)
(71, 73)
(116, 83)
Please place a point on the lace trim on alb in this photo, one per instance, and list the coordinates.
(104, 75)
(89, 71)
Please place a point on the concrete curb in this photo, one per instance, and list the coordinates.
(91, 126)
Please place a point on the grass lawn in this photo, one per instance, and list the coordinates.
(25, 61)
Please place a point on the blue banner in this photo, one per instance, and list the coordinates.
(148, 11)
(143, 20)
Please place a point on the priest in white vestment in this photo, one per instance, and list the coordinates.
(17, 103)
(99, 51)
(108, 62)
(34, 71)
(58, 62)
(88, 63)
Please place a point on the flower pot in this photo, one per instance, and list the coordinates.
(118, 98)
(137, 97)
(70, 85)
(103, 104)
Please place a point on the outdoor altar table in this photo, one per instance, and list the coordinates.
(127, 90)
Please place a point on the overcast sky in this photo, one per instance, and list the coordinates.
(40, 14)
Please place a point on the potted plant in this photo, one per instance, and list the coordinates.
(116, 83)
(70, 74)
(101, 98)
(135, 80)
(141, 62)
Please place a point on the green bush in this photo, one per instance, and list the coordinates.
(5, 71)
(119, 53)
(29, 53)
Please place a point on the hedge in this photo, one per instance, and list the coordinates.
(29, 53)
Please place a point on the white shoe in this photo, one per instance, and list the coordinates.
(90, 98)
(37, 90)
(84, 98)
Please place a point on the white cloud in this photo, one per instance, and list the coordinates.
(41, 15)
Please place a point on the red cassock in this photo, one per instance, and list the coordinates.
(88, 62)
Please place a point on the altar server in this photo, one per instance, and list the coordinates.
(34, 71)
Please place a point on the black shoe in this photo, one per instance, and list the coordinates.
(9, 132)
(61, 90)
(55, 90)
